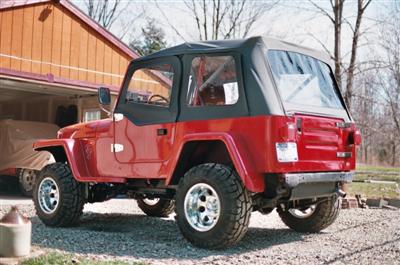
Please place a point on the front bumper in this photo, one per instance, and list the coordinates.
(294, 179)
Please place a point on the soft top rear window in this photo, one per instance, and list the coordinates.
(304, 80)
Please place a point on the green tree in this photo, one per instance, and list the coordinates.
(151, 40)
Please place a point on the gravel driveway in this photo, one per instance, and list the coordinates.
(117, 229)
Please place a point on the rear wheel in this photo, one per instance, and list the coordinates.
(57, 196)
(156, 207)
(311, 219)
(26, 180)
(213, 207)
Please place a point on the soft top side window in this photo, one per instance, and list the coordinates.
(212, 81)
(151, 85)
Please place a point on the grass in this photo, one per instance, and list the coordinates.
(376, 190)
(365, 172)
(378, 168)
(54, 258)
(376, 176)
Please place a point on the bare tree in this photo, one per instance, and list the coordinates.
(105, 12)
(335, 15)
(361, 7)
(108, 12)
(390, 80)
(223, 19)
(377, 101)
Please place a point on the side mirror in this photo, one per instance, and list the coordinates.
(104, 96)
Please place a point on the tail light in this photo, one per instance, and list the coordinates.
(288, 132)
(286, 151)
(355, 137)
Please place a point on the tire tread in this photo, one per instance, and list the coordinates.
(162, 209)
(239, 216)
(72, 192)
(325, 214)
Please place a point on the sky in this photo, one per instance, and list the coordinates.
(290, 21)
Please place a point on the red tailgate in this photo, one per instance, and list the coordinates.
(327, 142)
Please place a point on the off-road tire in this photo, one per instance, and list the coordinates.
(326, 212)
(236, 206)
(163, 208)
(23, 187)
(71, 192)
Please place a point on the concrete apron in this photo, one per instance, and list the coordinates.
(6, 200)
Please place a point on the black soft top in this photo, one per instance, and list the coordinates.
(238, 45)
(204, 47)
(261, 94)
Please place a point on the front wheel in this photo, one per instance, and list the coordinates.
(156, 207)
(213, 207)
(57, 196)
(311, 219)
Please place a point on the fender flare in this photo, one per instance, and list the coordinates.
(78, 154)
(73, 151)
(252, 178)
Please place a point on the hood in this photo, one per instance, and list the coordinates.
(79, 130)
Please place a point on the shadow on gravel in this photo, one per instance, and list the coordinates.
(9, 186)
(140, 236)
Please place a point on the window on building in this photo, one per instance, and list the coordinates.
(213, 81)
(91, 115)
(151, 85)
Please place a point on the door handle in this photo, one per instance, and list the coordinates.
(162, 131)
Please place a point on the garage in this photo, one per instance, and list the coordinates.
(23, 100)
(53, 58)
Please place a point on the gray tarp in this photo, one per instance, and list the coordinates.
(16, 140)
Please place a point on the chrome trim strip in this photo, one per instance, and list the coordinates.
(343, 125)
(294, 179)
(343, 154)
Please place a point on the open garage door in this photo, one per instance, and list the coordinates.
(43, 102)
(32, 110)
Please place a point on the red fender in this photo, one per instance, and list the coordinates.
(244, 165)
(79, 155)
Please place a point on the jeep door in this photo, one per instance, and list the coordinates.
(145, 115)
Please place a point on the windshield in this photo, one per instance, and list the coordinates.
(303, 80)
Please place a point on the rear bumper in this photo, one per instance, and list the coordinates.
(294, 179)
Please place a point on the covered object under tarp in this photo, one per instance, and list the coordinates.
(16, 139)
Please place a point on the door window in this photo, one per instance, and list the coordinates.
(151, 85)
(212, 81)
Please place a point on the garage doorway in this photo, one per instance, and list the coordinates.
(28, 101)
(28, 111)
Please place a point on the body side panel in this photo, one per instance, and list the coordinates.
(250, 142)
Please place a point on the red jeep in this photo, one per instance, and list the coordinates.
(226, 128)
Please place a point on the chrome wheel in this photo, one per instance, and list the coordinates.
(301, 214)
(202, 207)
(151, 202)
(48, 195)
(27, 179)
